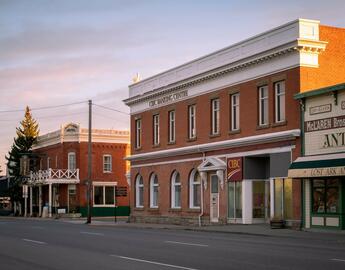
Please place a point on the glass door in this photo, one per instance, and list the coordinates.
(235, 201)
(214, 205)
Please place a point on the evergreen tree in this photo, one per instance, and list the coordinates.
(27, 134)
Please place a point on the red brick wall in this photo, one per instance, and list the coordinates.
(248, 114)
(117, 151)
(331, 68)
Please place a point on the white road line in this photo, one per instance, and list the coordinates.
(34, 241)
(152, 262)
(93, 233)
(187, 244)
(338, 260)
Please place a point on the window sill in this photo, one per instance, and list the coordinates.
(156, 145)
(278, 124)
(175, 209)
(192, 139)
(138, 149)
(262, 126)
(172, 143)
(214, 135)
(233, 132)
(103, 205)
(107, 172)
(194, 210)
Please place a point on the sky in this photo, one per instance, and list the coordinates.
(55, 52)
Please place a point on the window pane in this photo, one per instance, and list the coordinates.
(98, 196)
(258, 199)
(332, 201)
(196, 195)
(238, 201)
(318, 200)
(155, 196)
(278, 193)
(141, 196)
(231, 196)
(288, 199)
(109, 195)
(177, 196)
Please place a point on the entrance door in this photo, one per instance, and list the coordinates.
(72, 199)
(214, 205)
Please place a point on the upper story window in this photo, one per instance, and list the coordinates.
(156, 129)
(171, 126)
(137, 133)
(215, 116)
(107, 163)
(154, 191)
(139, 191)
(235, 111)
(175, 190)
(279, 89)
(71, 161)
(191, 122)
(263, 105)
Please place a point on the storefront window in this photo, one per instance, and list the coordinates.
(98, 195)
(258, 199)
(326, 196)
(235, 199)
(283, 198)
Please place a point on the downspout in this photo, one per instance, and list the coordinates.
(201, 192)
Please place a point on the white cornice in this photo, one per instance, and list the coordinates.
(250, 140)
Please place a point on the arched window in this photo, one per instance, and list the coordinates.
(153, 191)
(194, 189)
(139, 191)
(175, 190)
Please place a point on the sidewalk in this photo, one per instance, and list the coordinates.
(252, 229)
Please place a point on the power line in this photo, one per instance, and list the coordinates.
(111, 109)
(46, 107)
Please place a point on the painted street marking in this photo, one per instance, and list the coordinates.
(93, 233)
(338, 260)
(34, 241)
(152, 262)
(187, 244)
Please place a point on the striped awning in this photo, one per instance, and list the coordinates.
(318, 166)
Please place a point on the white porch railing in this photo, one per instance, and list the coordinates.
(54, 176)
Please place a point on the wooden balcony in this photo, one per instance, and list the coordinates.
(54, 176)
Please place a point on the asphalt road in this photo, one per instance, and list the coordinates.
(49, 244)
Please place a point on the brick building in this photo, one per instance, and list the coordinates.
(59, 181)
(212, 139)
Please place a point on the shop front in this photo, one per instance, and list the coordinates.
(321, 169)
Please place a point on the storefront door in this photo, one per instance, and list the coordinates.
(261, 199)
(72, 199)
(235, 202)
(214, 204)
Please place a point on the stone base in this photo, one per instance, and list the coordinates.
(176, 220)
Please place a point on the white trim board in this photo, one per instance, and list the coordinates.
(201, 148)
(238, 154)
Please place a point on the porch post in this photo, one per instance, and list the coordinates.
(50, 200)
(39, 200)
(30, 201)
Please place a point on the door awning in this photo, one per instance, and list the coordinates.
(318, 166)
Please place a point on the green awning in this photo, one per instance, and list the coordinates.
(318, 166)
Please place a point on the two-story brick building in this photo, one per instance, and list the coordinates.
(59, 181)
(212, 139)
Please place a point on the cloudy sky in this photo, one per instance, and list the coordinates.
(58, 52)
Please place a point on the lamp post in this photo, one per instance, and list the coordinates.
(89, 166)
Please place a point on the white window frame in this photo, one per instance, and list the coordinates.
(235, 111)
(70, 154)
(154, 185)
(192, 184)
(192, 121)
(103, 184)
(108, 163)
(172, 118)
(138, 133)
(174, 185)
(279, 90)
(263, 105)
(139, 191)
(215, 116)
(155, 120)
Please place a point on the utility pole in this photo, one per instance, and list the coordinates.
(89, 166)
